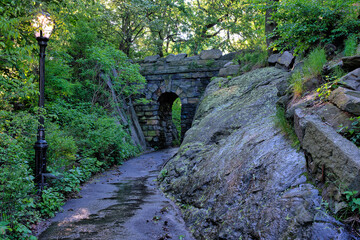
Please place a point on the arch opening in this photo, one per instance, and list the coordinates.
(169, 135)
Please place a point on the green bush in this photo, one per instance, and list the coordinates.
(62, 149)
(303, 24)
(51, 202)
(17, 193)
(350, 46)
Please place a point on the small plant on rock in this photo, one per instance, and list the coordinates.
(352, 133)
(324, 90)
(314, 63)
(297, 83)
(285, 126)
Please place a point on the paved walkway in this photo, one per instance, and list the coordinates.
(122, 204)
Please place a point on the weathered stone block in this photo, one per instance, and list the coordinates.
(351, 63)
(175, 58)
(210, 54)
(352, 80)
(192, 58)
(339, 157)
(193, 100)
(148, 139)
(140, 113)
(272, 60)
(230, 56)
(178, 91)
(198, 75)
(229, 71)
(154, 77)
(229, 64)
(346, 100)
(152, 122)
(286, 59)
(151, 59)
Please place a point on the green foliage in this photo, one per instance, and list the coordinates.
(303, 24)
(62, 148)
(210, 63)
(353, 132)
(251, 59)
(314, 63)
(84, 138)
(194, 65)
(51, 202)
(297, 83)
(176, 115)
(350, 46)
(353, 201)
(282, 123)
(324, 90)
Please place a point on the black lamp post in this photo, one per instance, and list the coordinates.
(44, 27)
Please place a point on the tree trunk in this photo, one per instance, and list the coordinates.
(270, 25)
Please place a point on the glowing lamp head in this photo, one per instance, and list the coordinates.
(43, 25)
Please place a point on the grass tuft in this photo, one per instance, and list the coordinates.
(350, 46)
(286, 128)
(314, 63)
(297, 83)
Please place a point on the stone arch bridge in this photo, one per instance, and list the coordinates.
(172, 77)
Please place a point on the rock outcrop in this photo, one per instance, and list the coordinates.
(236, 175)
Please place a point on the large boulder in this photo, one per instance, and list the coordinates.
(331, 158)
(237, 176)
(347, 100)
(351, 63)
(352, 80)
(272, 60)
(210, 54)
(286, 59)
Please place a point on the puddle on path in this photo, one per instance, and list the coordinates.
(108, 222)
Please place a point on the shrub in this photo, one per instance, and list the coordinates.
(17, 193)
(62, 148)
(314, 63)
(350, 46)
(302, 24)
(51, 202)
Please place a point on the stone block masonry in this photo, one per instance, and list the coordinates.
(169, 78)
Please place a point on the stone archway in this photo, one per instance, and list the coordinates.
(168, 132)
(185, 77)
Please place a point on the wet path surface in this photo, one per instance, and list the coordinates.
(124, 203)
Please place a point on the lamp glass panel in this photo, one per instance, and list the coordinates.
(43, 25)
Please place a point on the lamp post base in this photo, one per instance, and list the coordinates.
(40, 162)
